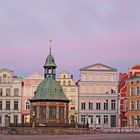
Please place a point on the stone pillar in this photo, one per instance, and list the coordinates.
(57, 112)
(37, 112)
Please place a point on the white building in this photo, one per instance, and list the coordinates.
(98, 97)
(70, 90)
(10, 98)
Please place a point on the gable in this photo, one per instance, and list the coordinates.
(98, 67)
(34, 75)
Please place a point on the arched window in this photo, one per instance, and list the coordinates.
(64, 76)
(4, 78)
(64, 83)
(27, 104)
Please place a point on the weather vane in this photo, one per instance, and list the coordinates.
(50, 45)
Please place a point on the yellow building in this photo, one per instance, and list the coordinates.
(70, 90)
(133, 101)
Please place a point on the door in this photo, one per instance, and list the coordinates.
(113, 120)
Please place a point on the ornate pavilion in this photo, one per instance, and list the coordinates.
(49, 106)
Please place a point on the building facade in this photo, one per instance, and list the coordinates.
(133, 101)
(29, 87)
(10, 98)
(70, 90)
(124, 92)
(98, 96)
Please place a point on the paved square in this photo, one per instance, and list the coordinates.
(72, 137)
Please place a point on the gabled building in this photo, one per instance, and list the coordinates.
(124, 93)
(133, 101)
(98, 96)
(29, 87)
(10, 98)
(70, 90)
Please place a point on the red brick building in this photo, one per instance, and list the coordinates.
(123, 91)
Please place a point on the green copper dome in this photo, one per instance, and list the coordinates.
(50, 90)
(50, 61)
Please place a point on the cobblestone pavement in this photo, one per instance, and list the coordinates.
(72, 137)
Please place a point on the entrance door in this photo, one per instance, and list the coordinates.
(113, 120)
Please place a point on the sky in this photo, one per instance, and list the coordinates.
(83, 32)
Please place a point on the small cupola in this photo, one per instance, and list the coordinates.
(50, 66)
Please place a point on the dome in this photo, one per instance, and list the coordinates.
(50, 61)
(50, 90)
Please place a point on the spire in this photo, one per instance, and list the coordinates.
(50, 45)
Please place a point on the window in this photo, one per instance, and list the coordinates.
(52, 112)
(98, 105)
(91, 119)
(132, 120)
(138, 105)
(61, 112)
(42, 112)
(83, 106)
(138, 120)
(64, 76)
(69, 83)
(9, 79)
(8, 92)
(1, 91)
(83, 119)
(132, 105)
(113, 104)
(64, 83)
(131, 91)
(98, 119)
(15, 105)
(0, 119)
(138, 90)
(90, 106)
(16, 92)
(7, 105)
(4, 78)
(0, 105)
(105, 119)
(106, 105)
(73, 108)
(15, 119)
(0, 79)
(27, 104)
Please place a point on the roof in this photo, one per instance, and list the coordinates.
(50, 90)
(50, 62)
(134, 77)
(98, 67)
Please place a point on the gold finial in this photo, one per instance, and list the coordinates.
(50, 45)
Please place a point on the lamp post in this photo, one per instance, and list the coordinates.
(33, 122)
(76, 123)
(7, 122)
(87, 116)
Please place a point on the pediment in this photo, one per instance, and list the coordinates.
(98, 67)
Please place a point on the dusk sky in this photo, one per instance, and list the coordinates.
(83, 32)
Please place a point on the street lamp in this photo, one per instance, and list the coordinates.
(76, 124)
(87, 116)
(33, 122)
